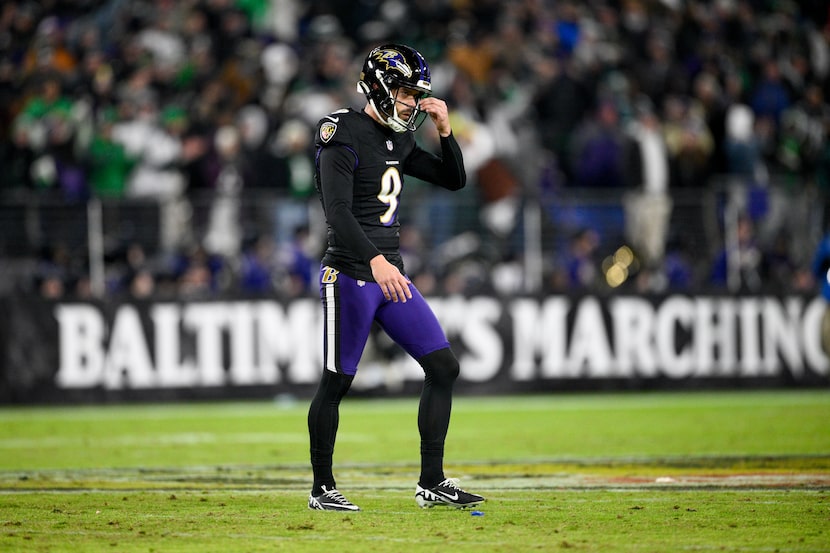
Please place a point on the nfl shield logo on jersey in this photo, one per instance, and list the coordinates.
(389, 145)
(327, 130)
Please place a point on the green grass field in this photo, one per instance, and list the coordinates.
(662, 472)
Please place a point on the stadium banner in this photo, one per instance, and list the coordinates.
(54, 351)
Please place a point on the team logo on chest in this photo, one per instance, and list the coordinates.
(327, 130)
(389, 145)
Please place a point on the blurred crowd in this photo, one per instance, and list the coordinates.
(172, 100)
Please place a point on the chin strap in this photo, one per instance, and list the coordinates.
(393, 123)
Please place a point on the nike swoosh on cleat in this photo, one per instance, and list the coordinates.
(453, 497)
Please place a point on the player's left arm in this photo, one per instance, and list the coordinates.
(446, 170)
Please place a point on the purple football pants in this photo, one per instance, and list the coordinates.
(350, 306)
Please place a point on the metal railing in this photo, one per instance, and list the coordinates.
(533, 232)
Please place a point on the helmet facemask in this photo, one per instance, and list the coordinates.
(384, 100)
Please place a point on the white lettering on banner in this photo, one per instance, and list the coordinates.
(681, 337)
(633, 320)
(207, 321)
(243, 370)
(255, 343)
(714, 337)
(590, 352)
(128, 362)
(259, 336)
(305, 359)
(810, 331)
(750, 337)
(291, 337)
(473, 321)
(674, 317)
(81, 345)
(781, 334)
(172, 370)
(271, 347)
(539, 331)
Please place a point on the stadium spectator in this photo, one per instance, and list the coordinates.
(648, 207)
(47, 126)
(54, 271)
(804, 132)
(578, 269)
(48, 52)
(142, 284)
(154, 138)
(770, 97)
(740, 265)
(258, 151)
(298, 263)
(292, 173)
(562, 101)
(527, 72)
(821, 272)
(52, 286)
(689, 141)
(258, 265)
(108, 162)
(223, 235)
(741, 146)
(709, 96)
(600, 151)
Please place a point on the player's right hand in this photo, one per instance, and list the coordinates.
(438, 112)
(393, 284)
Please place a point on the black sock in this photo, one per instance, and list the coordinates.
(440, 370)
(323, 419)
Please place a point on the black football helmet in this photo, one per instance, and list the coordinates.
(388, 68)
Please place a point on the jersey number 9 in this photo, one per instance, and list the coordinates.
(390, 189)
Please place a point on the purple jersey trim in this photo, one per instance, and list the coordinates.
(320, 150)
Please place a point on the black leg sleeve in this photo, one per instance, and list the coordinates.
(323, 419)
(441, 370)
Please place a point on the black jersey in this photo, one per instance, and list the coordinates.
(360, 178)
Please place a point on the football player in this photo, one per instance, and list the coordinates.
(361, 159)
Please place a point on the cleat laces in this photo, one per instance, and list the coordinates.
(451, 483)
(335, 496)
